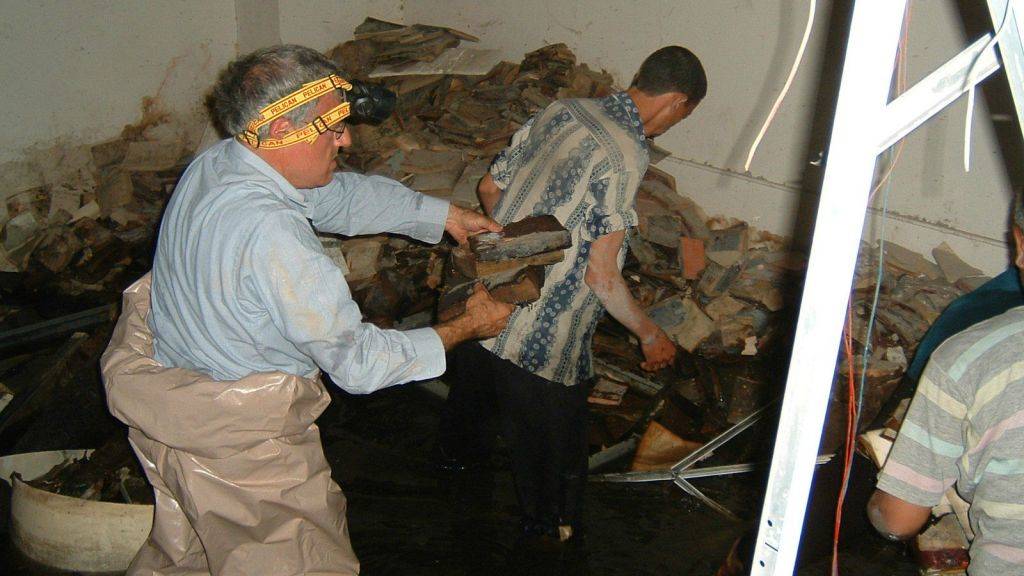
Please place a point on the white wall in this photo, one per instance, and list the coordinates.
(79, 70)
(930, 187)
(323, 24)
(747, 48)
(258, 24)
(76, 72)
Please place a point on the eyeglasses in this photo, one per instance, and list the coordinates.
(321, 126)
(338, 134)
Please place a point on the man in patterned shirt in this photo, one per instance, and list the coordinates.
(965, 427)
(580, 160)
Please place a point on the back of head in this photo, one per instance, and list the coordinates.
(256, 80)
(672, 69)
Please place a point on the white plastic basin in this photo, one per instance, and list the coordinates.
(71, 533)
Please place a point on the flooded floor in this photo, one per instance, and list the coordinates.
(408, 518)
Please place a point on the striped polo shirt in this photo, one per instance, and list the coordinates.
(965, 426)
(580, 160)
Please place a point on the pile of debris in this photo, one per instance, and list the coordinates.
(111, 473)
(736, 317)
(378, 43)
(75, 238)
(447, 127)
(448, 124)
(723, 291)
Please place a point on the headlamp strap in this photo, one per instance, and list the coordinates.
(309, 91)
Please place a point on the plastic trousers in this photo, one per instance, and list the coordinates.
(240, 479)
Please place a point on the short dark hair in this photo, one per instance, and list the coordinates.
(672, 69)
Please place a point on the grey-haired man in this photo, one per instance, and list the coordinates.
(214, 363)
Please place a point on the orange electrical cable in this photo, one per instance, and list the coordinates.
(852, 409)
(851, 415)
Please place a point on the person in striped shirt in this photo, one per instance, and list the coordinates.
(965, 428)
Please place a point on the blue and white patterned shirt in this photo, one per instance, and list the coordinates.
(580, 161)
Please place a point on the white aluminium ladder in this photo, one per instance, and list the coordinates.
(865, 124)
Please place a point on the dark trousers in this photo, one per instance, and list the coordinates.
(543, 422)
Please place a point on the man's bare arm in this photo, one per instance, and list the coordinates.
(894, 518)
(605, 279)
(489, 193)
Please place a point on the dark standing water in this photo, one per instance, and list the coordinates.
(406, 518)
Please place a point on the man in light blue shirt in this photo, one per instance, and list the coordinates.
(242, 285)
(216, 372)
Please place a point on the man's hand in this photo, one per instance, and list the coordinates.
(461, 223)
(659, 351)
(605, 279)
(487, 316)
(484, 317)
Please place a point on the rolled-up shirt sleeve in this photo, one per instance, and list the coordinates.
(612, 198)
(354, 204)
(309, 301)
(506, 162)
(923, 461)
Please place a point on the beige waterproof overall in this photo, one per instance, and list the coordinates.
(241, 483)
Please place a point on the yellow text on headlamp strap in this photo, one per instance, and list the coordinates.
(310, 132)
(306, 93)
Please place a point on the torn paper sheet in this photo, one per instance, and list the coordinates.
(456, 61)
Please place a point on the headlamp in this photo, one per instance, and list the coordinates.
(371, 104)
(361, 104)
